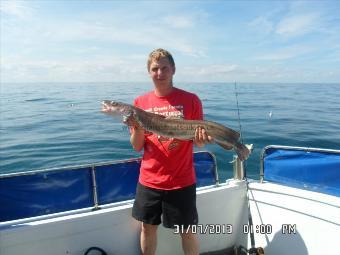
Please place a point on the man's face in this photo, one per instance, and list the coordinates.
(161, 72)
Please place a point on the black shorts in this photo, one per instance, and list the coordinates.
(176, 207)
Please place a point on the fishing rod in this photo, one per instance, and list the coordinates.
(253, 250)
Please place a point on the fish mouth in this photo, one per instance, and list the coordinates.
(117, 107)
(114, 106)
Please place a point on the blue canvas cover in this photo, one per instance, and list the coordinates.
(312, 169)
(38, 193)
(43, 193)
(117, 182)
(205, 168)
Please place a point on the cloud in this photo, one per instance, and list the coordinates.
(114, 69)
(262, 24)
(100, 68)
(286, 53)
(16, 9)
(220, 69)
(297, 25)
(44, 34)
(110, 42)
(177, 21)
(199, 73)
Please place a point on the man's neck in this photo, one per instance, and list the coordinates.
(163, 91)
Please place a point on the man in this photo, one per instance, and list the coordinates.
(167, 179)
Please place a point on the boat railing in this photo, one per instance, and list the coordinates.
(238, 167)
(72, 188)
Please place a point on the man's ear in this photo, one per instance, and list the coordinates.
(174, 69)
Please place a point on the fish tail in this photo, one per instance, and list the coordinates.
(242, 151)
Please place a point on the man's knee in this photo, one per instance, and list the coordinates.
(149, 229)
(188, 236)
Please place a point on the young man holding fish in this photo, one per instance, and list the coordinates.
(167, 184)
(167, 178)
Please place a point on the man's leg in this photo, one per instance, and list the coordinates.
(147, 207)
(190, 243)
(179, 209)
(148, 239)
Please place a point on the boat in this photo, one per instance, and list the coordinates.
(292, 208)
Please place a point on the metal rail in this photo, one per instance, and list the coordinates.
(70, 168)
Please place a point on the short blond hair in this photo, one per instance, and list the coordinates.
(157, 54)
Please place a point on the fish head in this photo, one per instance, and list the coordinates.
(118, 108)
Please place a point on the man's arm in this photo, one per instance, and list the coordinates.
(137, 133)
(137, 138)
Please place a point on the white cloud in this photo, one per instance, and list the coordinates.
(219, 69)
(113, 68)
(101, 68)
(177, 21)
(298, 25)
(286, 53)
(114, 33)
(199, 73)
(109, 45)
(276, 56)
(15, 8)
(262, 24)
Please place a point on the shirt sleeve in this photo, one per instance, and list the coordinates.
(197, 109)
(135, 102)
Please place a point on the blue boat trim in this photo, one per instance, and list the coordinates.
(312, 169)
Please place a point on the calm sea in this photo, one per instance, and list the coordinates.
(44, 125)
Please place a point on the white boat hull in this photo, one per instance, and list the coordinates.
(114, 230)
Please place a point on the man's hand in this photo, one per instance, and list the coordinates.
(137, 139)
(131, 122)
(201, 137)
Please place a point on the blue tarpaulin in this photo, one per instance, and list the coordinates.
(52, 191)
(311, 169)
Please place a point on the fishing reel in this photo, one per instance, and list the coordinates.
(252, 251)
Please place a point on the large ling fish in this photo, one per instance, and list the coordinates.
(179, 128)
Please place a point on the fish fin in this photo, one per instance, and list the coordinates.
(227, 147)
(242, 151)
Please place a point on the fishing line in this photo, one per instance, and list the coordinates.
(252, 250)
(238, 112)
(241, 134)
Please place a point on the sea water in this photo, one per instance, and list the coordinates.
(46, 125)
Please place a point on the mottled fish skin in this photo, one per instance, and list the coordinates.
(179, 128)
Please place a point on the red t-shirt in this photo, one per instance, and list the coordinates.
(168, 163)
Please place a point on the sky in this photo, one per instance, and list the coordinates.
(211, 41)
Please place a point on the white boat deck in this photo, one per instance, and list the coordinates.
(303, 222)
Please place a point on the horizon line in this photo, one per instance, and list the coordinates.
(182, 82)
